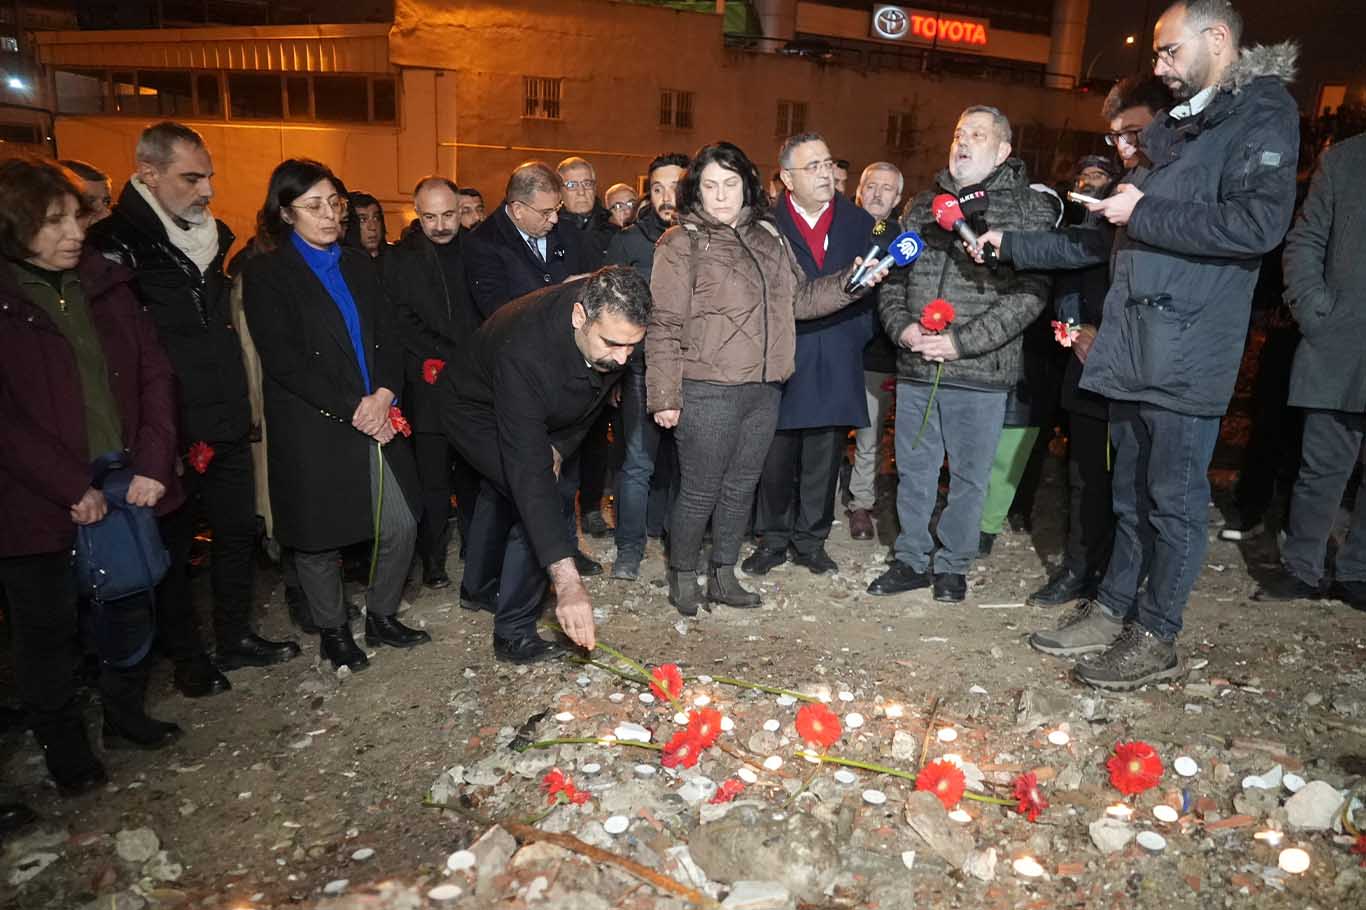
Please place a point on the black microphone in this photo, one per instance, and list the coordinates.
(972, 202)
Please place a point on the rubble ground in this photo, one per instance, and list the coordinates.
(300, 788)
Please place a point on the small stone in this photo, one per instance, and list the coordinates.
(977, 690)
(1271, 780)
(928, 819)
(1165, 813)
(772, 726)
(461, 860)
(584, 681)
(617, 824)
(908, 859)
(616, 698)
(904, 746)
(1186, 766)
(590, 767)
(160, 868)
(1293, 782)
(646, 698)
(1110, 835)
(1027, 867)
(874, 797)
(444, 892)
(696, 790)
(30, 867)
(336, 886)
(1059, 737)
(136, 845)
(363, 854)
(1314, 807)
(846, 777)
(1312, 699)
(786, 701)
(752, 895)
(1151, 841)
(981, 865)
(853, 720)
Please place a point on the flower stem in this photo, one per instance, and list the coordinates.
(760, 687)
(897, 772)
(590, 741)
(929, 406)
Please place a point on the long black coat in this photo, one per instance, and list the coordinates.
(319, 463)
(501, 266)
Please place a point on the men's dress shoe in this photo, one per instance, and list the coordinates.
(724, 588)
(898, 579)
(950, 587)
(626, 568)
(595, 525)
(469, 602)
(1286, 586)
(251, 650)
(861, 524)
(340, 648)
(144, 732)
(299, 614)
(197, 677)
(526, 650)
(1064, 587)
(586, 564)
(1352, 593)
(818, 561)
(1248, 531)
(764, 560)
(985, 542)
(14, 816)
(387, 630)
(434, 576)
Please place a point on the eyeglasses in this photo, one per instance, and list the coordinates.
(544, 213)
(815, 168)
(1129, 136)
(589, 184)
(1167, 52)
(622, 205)
(315, 206)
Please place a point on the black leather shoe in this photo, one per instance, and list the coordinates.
(595, 525)
(144, 733)
(469, 602)
(387, 630)
(985, 542)
(299, 614)
(586, 564)
(526, 650)
(14, 816)
(764, 560)
(434, 576)
(1285, 586)
(340, 648)
(1352, 593)
(1064, 587)
(950, 588)
(199, 678)
(898, 579)
(251, 650)
(818, 561)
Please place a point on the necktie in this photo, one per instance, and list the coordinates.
(535, 249)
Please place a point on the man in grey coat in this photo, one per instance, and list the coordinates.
(1325, 287)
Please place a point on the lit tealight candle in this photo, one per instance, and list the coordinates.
(1293, 860)
(702, 700)
(1059, 737)
(773, 762)
(727, 724)
(1165, 813)
(1119, 811)
(681, 719)
(1027, 867)
(1273, 838)
(564, 717)
(846, 696)
(947, 734)
(960, 816)
(747, 775)
(813, 757)
(894, 711)
(853, 720)
(772, 725)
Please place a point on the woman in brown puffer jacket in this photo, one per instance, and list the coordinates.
(721, 341)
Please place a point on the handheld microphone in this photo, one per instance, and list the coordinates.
(905, 249)
(949, 215)
(972, 201)
(856, 279)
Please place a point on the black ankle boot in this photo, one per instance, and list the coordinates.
(724, 588)
(251, 650)
(70, 760)
(683, 593)
(139, 732)
(338, 646)
(387, 630)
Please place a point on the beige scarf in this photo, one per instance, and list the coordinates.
(199, 241)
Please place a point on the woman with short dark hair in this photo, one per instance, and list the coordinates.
(339, 472)
(81, 376)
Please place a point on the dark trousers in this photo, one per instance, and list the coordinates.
(1091, 511)
(1161, 502)
(723, 436)
(442, 471)
(226, 495)
(595, 460)
(1272, 455)
(648, 480)
(1332, 447)
(501, 567)
(797, 488)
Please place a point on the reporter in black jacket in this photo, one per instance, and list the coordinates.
(330, 362)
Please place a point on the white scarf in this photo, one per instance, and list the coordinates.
(199, 241)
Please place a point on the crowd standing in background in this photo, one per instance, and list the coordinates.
(360, 403)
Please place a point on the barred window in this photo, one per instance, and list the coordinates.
(675, 109)
(901, 131)
(791, 118)
(541, 97)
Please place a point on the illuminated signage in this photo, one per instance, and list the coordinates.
(918, 26)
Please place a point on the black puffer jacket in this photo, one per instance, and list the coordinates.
(993, 306)
(594, 231)
(192, 317)
(635, 246)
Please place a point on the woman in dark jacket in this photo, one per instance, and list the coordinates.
(81, 376)
(340, 473)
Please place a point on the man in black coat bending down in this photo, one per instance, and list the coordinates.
(517, 404)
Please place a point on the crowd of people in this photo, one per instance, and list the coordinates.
(371, 401)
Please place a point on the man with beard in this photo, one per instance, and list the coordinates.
(531, 382)
(471, 208)
(637, 496)
(163, 231)
(435, 317)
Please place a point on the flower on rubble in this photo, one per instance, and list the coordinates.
(399, 422)
(704, 725)
(728, 790)
(668, 682)
(431, 369)
(1031, 800)
(199, 456)
(684, 749)
(557, 783)
(937, 315)
(818, 724)
(945, 780)
(1134, 767)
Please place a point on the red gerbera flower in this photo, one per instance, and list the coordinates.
(1031, 800)
(945, 780)
(705, 726)
(728, 790)
(1064, 333)
(553, 782)
(200, 454)
(818, 724)
(683, 749)
(399, 422)
(1134, 768)
(574, 795)
(1360, 847)
(937, 315)
(668, 682)
(431, 368)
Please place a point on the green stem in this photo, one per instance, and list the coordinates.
(897, 772)
(929, 406)
(646, 676)
(590, 741)
(760, 687)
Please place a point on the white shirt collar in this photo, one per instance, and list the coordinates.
(1196, 104)
(809, 219)
(527, 238)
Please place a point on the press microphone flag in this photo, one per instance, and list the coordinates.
(949, 215)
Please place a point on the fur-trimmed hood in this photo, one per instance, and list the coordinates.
(1279, 60)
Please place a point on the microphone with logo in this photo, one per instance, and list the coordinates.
(949, 214)
(905, 249)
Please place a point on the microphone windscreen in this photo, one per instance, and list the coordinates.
(906, 248)
(973, 200)
(946, 211)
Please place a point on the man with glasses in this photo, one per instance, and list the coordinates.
(163, 231)
(584, 213)
(621, 204)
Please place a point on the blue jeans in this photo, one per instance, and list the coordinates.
(965, 425)
(641, 503)
(1161, 500)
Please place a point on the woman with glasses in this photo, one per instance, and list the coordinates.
(721, 341)
(340, 472)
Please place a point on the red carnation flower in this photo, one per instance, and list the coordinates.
(705, 726)
(818, 724)
(399, 422)
(1031, 800)
(201, 453)
(683, 749)
(937, 315)
(1134, 768)
(431, 368)
(668, 682)
(728, 790)
(945, 780)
